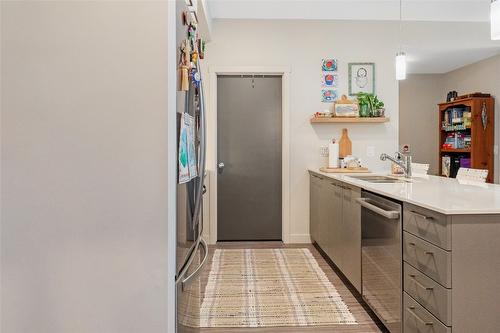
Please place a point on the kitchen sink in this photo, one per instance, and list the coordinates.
(381, 179)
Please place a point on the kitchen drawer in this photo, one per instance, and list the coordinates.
(416, 319)
(427, 224)
(427, 258)
(430, 294)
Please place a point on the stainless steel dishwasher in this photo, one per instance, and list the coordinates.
(381, 258)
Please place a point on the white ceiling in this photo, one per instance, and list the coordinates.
(413, 10)
(438, 35)
(439, 47)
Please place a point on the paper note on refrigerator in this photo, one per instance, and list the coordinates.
(192, 155)
(183, 151)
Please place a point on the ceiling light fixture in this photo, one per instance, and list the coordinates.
(400, 66)
(495, 19)
(400, 56)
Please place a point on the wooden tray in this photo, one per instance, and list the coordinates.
(344, 170)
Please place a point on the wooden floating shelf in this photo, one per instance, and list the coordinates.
(365, 120)
(451, 150)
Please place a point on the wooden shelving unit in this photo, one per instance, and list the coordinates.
(320, 120)
(450, 150)
(482, 135)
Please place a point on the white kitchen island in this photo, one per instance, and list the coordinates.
(449, 243)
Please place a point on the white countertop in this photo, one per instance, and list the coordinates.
(440, 194)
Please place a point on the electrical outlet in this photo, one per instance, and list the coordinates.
(370, 151)
(323, 151)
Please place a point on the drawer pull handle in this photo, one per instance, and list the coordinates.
(423, 217)
(414, 278)
(426, 252)
(410, 311)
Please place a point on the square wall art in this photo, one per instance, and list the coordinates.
(328, 96)
(329, 65)
(329, 80)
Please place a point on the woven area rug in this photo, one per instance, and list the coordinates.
(270, 287)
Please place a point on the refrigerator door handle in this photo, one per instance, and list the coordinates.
(187, 264)
(192, 250)
(201, 171)
(197, 271)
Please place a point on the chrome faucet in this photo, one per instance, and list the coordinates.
(403, 160)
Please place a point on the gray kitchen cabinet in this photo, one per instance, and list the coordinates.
(350, 236)
(320, 195)
(451, 271)
(324, 212)
(333, 220)
(314, 196)
(336, 224)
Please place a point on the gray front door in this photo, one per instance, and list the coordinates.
(249, 158)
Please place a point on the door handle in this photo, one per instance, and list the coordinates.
(422, 216)
(220, 167)
(390, 214)
(414, 278)
(411, 310)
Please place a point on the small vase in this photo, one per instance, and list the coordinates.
(364, 110)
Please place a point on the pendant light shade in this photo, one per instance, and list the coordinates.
(495, 20)
(400, 56)
(401, 66)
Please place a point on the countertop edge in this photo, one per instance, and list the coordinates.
(359, 184)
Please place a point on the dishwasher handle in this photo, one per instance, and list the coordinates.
(390, 214)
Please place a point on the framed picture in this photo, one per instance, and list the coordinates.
(329, 65)
(361, 78)
(328, 96)
(329, 80)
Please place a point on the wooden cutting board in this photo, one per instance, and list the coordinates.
(345, 144)
(344, 170)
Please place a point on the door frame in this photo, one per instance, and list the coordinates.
(284, 72)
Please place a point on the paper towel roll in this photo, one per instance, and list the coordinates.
(333, 155)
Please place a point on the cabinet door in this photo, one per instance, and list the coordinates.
(314, 206)
(323, 214)
(335, 225)
(351, 236)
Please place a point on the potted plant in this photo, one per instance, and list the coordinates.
(378, 107)
(370, 105)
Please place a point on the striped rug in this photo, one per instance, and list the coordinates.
(270, 287)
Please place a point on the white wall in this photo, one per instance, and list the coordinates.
(419, 95)
(84, 160)
(300, 45)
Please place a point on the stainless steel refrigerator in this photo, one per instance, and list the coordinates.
(191, 249)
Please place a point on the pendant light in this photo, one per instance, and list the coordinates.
(400, 56)
(400, 66)
(495, 19)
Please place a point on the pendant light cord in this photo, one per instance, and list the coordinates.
(400, 25)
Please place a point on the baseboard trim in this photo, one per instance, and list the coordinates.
(292, 239)
(299, 239)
